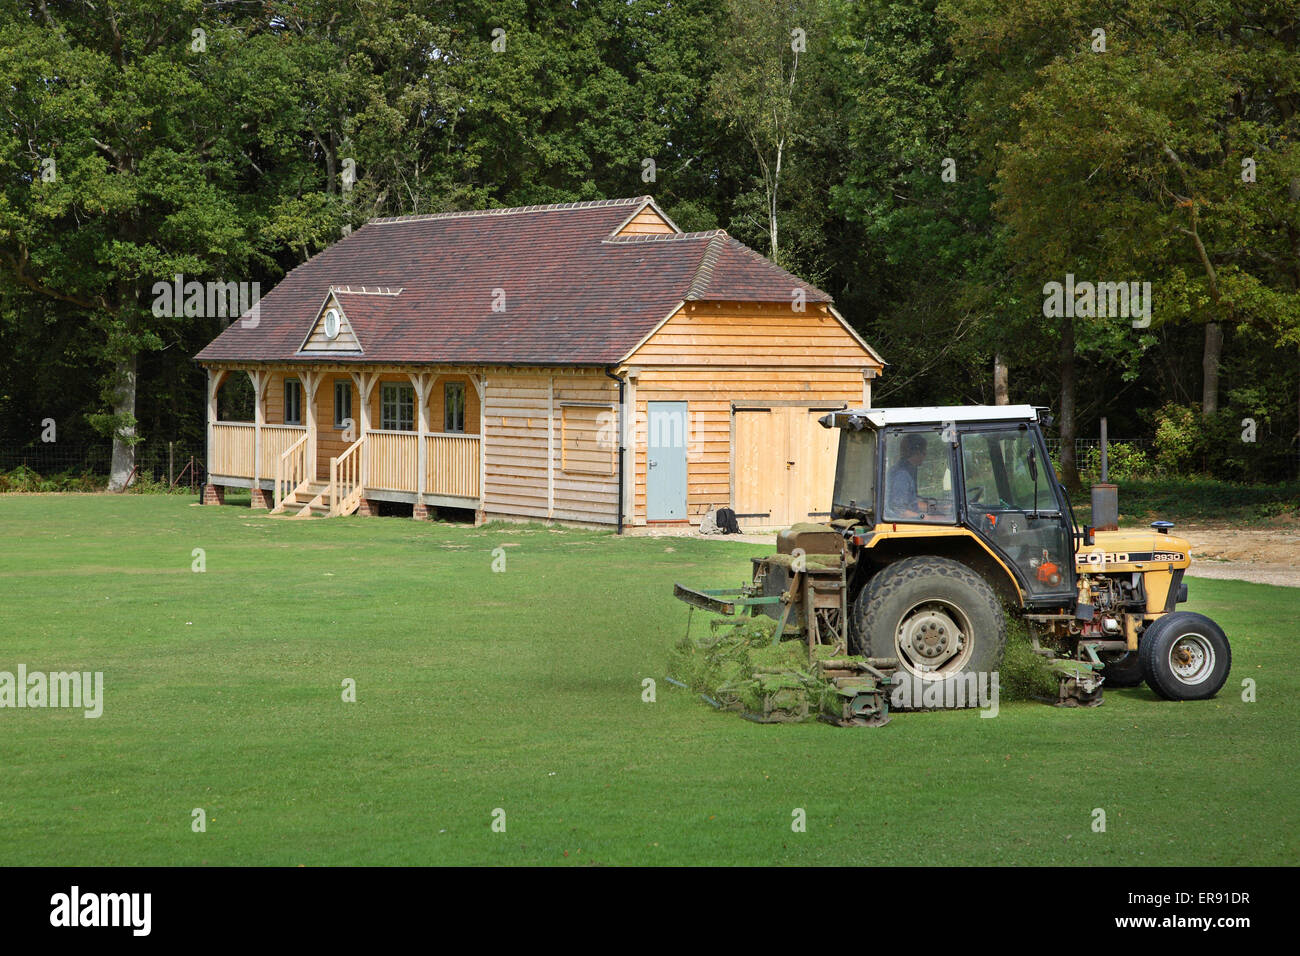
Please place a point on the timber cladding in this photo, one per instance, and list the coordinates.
(525, 455)
(721, 356)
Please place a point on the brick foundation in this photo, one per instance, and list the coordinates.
(367, 509)
(258, 500)
(420, 511)
(214, 494)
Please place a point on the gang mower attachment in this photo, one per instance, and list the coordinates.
(782, 641)
(945, 522)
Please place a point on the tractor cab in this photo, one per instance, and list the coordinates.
(980, 471)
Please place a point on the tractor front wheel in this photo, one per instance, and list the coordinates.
(935, 615)
(1185, 656)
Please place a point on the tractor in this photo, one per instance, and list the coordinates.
(943, 522)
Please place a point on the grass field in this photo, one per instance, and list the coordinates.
(522, 690)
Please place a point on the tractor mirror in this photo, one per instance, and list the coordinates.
(1033, 465)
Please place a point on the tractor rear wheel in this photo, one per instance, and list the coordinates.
(935, 615)
(1185, 656)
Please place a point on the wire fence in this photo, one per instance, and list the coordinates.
(1083, 445)
(1271, 464)
(176, 463)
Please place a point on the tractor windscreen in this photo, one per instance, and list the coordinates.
(855, 474)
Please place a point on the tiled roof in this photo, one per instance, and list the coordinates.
(422, 289)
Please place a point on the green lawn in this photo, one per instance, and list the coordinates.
(521, 690)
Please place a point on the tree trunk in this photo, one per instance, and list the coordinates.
(1000, 380)
(123, 412)
(1210, 369)
(122, 388)
(1069, 467)
(771, 203)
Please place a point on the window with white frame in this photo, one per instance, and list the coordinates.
(397, 407)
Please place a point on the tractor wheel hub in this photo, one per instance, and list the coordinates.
(1191, 658)
(931, 637)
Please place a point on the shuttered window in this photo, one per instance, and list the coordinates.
(589, 439)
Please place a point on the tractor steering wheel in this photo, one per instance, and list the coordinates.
(932, 506)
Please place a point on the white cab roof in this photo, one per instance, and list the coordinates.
(938, 415)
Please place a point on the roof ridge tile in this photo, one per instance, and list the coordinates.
(703, 277)
(509, 210)
(367, 290)
(665, 236)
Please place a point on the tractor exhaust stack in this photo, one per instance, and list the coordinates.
(1105, 496)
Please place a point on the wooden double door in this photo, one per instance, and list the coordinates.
(783, 463)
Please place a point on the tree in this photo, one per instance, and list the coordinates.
(1156, 114)
(759, 89)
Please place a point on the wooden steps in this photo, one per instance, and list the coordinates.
(310, 499)
(318, 506)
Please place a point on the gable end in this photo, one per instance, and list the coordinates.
(345, 341)
(648, 220)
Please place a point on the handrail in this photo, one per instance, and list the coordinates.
(474, 436)
(345, 479)
(290, 474)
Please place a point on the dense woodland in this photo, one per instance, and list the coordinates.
(933, 165)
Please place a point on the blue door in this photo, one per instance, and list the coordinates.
(665, 483)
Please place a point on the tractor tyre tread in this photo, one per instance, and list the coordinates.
(866, 630)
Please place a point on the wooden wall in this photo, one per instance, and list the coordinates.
(519, 482)
(437, 401)
(646, 222)
(713, 354)
(329, 440)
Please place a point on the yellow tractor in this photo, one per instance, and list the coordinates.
(943, 520)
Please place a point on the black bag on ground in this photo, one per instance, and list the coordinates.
(727, 522)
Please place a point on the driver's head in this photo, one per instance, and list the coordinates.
(914, 448)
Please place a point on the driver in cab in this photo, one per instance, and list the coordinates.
(903, 499)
